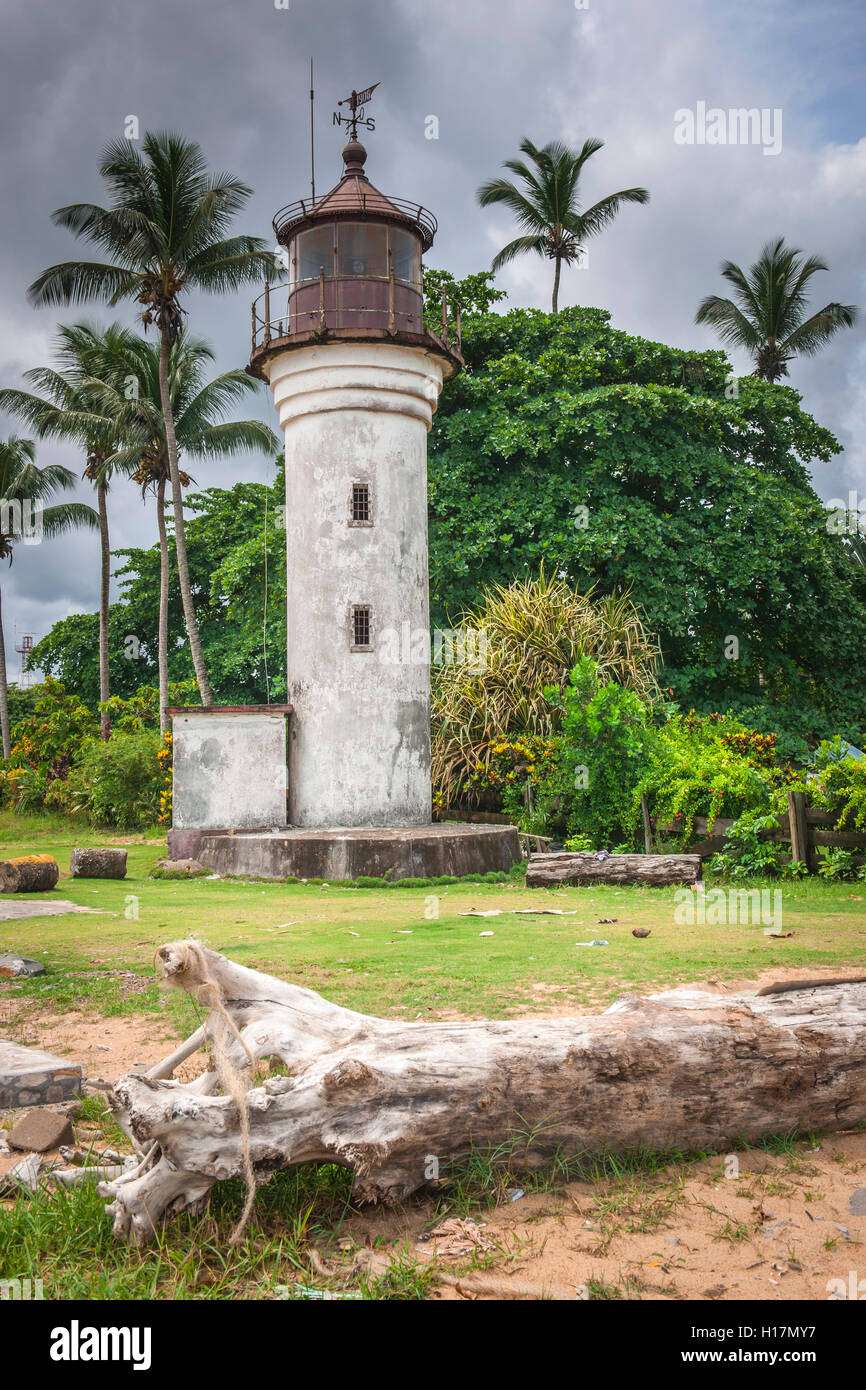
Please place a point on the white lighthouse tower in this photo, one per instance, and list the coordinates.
(356, 376)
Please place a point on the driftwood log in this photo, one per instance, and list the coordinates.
(32, 873)
(393, 1100)
(98, 863)
(582, 867)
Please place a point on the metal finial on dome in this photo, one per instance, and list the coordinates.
(354, 158)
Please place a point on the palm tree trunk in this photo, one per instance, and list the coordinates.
(162, 641)
(104, 583)
(556, 285)
(179, 532)
(4, 695)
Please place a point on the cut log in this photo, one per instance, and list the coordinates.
(396, 1101)
(33, 873)
(98, 863)
(652, 870)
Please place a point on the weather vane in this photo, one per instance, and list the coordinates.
(356, 103)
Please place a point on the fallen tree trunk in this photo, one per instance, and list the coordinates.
(580, 867)
(98, 863)
(395, 1101)
(32, 873)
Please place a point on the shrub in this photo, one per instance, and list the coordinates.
(534, 631)
(709, 766)
(119, 782)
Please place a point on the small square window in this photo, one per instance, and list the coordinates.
(362, 509)
(361, 625)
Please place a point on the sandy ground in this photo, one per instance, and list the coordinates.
(751, 1225)
(782, 1228)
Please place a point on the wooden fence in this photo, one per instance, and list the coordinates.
(804, 827)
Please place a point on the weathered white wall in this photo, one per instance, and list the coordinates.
(229, 771)
(360, 752)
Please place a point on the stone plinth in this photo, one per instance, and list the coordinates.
(345, 853)
(30, 1077)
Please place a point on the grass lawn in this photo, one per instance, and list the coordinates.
(397, 952)
(409, 951)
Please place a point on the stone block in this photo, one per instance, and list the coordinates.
(39, 1131)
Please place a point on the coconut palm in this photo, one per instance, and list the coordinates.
(66, 409)
(24, 490)
(165, 233)
(767, 315)
(547, 207)
(197, 407)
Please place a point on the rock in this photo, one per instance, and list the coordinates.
(32, 873)
(11, 966)
(40, 1130)
(98, 863)
(181, 866)
(857, 1202)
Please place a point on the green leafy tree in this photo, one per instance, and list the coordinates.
(165, 231)
(24, 490)
(229, 565)
(548, 205)
(647, 470)
(768, 313)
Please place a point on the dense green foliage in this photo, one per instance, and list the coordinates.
(609, 746)
(59, 762)
(225, 534)
(640, 467)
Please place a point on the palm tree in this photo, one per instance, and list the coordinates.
(24, 486)
(165, 232)
(547, 208)
(767, 315)
(67, 410)
(197, 406)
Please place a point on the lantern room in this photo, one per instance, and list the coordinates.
(354, 270)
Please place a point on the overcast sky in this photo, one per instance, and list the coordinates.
(233, 75)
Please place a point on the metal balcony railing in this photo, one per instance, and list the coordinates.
(419, 217)
(335, 303)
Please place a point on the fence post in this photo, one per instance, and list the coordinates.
(799, 828)
(647, 828)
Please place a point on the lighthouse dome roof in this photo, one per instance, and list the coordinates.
(354, 198)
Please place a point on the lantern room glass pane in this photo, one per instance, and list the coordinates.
(362, 249)
(314, 250)
(405, 255)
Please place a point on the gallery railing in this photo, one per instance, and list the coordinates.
(337, 302)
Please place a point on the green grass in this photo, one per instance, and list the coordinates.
(403, 950)
(398, 951)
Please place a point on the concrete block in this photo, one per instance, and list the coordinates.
(12, 966)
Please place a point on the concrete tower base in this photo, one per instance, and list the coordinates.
(401, 852)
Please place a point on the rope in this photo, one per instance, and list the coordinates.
(210, 994)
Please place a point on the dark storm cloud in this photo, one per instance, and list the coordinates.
(234, 76)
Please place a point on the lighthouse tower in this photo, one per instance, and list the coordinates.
(356, 376)
(335, 784)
